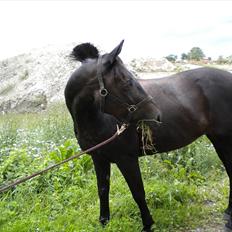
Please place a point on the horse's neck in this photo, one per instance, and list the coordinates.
(93, 127)
(87, 116)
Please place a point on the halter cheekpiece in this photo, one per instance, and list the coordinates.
(103, 92)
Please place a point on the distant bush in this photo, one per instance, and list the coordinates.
(224, 60)
(171, 58)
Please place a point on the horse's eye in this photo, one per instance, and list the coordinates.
(128, 83)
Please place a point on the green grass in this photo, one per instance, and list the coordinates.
(184, 189)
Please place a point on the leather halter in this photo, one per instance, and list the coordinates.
(104, 92)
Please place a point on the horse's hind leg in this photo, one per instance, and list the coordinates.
(223, 147)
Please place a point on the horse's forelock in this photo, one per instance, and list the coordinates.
(84, 51)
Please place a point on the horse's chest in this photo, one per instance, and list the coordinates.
(87, 139)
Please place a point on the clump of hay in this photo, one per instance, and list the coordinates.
(146, 137)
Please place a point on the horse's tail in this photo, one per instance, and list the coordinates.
(84, 51)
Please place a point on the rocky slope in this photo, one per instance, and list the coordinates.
(30, 82)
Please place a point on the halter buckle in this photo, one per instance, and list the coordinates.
(103, 92)
(132, 108)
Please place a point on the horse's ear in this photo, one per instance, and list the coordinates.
(111, 57)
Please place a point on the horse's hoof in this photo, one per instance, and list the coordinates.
(147, 229)
(104, 220)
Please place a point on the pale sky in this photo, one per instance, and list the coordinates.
(150, 28)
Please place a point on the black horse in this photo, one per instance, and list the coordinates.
(178, 109)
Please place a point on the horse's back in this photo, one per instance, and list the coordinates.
(192, 103)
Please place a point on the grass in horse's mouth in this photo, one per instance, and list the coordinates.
(146, 136)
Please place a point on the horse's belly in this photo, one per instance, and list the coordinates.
(169, 143)
(171, 137)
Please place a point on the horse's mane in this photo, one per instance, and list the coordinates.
(84, 51)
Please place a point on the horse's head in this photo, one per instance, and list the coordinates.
(114, 87)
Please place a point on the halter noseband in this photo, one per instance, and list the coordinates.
(104, 92)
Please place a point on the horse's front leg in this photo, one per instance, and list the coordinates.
(102, 168)
(129, 166)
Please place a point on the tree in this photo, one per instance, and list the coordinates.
(221, 60)
(171, 58)
(184, 56)
(229, 59)
(196, 54)
(224, 60)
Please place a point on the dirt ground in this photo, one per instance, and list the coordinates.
(216, 226)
